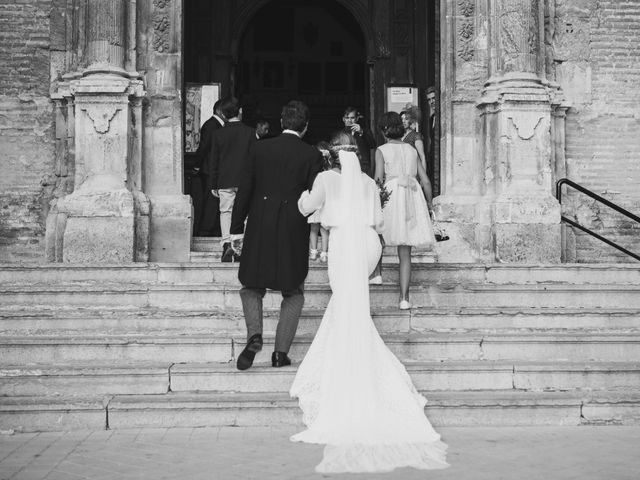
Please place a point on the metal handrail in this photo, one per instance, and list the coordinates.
(602, 200)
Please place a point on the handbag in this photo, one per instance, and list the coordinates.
(438, 231)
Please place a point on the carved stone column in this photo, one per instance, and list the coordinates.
(160, 56)
(516, 112)
(106, 215)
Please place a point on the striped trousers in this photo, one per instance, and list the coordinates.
(290, 309)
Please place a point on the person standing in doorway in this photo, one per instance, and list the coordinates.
(263, 128)
(431, 130)
(206, 206)
(363, 136)
(275, 250)
(231, 147)
(410, 120)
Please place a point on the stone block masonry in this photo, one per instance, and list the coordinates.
(26, 127)
(597, 53)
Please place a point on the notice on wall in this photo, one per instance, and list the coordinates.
(398, 96)
(200, 99)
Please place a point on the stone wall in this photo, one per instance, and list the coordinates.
(596, 52)
(26, 128)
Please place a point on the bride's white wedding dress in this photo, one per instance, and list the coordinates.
(356, 396)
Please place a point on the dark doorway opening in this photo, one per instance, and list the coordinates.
(311, 50)
(325, 52)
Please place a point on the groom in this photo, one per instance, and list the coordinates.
(276, 240)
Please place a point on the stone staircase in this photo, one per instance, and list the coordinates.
(155, 344)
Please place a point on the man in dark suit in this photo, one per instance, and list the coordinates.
(276, 240)
(231, 147)
(206, 205)
(363, 137)
(431, 130)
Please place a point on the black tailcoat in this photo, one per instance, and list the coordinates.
(231, 147)
(275, 251)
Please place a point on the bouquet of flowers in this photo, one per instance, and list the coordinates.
(384, 193)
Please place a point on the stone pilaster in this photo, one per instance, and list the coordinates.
(502, 135)
(162, 150)
(517, 152)
(464, 70)
(105, 218)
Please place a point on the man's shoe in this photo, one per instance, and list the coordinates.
(254, 345)
(280, 359)
(227, 253)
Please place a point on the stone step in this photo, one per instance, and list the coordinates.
(84, 379)
(57, 414)
(444, 408)
(389, 257)
(136, 379)
(426, 376)
(213, 245)
(223, 273)
(574, 346)
(214, 296)
(101, 320)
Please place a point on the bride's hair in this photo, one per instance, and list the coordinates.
(344, 141)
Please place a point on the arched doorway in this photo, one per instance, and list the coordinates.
(311, 50)
(329, 53)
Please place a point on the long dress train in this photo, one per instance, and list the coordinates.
(355, 395)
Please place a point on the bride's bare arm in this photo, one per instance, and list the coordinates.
(310, 201)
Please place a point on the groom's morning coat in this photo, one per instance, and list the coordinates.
(276, 242)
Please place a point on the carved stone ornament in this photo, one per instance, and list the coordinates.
(467, 7)
(101, 116)
(383, 49)
(161, 25)
(526, 124)
(466, 30)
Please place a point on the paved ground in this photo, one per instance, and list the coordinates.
(549, 453)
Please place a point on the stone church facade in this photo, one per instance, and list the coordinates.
(531, 91)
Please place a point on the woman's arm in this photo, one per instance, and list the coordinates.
(378, 218)
(379, 171)
(420, 150)
(426, 185)
(310, 201)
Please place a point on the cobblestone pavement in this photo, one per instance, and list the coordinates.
(549, 453)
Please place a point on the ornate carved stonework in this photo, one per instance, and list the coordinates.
(466, 30)
(526, 124)
(161, 25)
(101, 116)
(382, 46)
(518, 25)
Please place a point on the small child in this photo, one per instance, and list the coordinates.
(314, 219)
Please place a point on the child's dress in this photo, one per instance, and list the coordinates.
(406, 215)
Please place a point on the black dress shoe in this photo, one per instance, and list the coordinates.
(280, 359)
(441, 237)
(227, 253)
(254, 345)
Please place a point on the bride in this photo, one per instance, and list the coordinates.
(355, 395)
